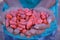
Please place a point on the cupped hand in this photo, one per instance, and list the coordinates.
(49, 19)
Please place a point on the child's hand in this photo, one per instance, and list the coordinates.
(3, 14)
(49, 19)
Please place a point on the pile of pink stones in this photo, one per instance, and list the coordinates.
(26, 22)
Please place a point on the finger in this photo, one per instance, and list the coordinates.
(9, 29)
(16, 31)
(33, 31)
(41, 26)
(13, 3)
(39, 31)
(50, 19)
(28, 33)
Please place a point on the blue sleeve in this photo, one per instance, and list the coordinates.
(5, 6)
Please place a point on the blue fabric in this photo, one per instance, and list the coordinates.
(53, 25)
(25, 4)
(29, 3)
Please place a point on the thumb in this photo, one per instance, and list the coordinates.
(50, 18)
